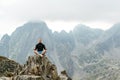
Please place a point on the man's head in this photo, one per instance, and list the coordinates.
(40, 40)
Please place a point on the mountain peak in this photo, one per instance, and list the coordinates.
(84, 27)
(115, 27)
(81, 26)
(32, 24)
(35, 22)
(114, 30)
(5, 37)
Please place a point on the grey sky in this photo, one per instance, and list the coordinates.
(16, 12)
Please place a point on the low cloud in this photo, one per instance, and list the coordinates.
(76, 10)
(91, 12)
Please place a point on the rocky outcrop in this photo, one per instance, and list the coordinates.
(64, 76)
(8, 67)
(36, 68)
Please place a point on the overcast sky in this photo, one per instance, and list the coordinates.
(59, 14)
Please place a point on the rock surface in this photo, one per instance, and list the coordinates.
(36, 68)
(8, 67)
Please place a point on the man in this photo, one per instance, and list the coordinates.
(40, 48)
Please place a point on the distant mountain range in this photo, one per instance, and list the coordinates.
(85, 53)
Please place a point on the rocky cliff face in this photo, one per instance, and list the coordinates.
(4, 45)
(36, 68)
